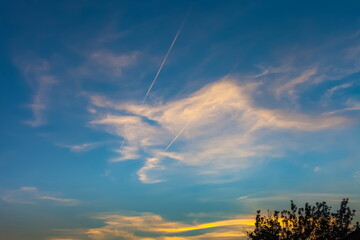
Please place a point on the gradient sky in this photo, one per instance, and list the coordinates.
(174, 120)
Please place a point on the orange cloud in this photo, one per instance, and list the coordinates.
(224, 223)
(138, 226)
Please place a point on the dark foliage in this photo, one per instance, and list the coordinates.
(307, 223)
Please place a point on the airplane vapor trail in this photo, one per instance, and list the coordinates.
(123, 142)
(176, 137)
(161, 65)
(165, 58)
(188, 122)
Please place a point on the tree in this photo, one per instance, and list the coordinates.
(307, 223)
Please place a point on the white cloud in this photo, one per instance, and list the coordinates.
(151, 164)
(242, 197)
(126, 153)
(32, 195)
(226, 133)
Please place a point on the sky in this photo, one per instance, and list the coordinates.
(174, 120)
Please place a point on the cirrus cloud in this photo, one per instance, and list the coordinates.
(32, 195)
(227, 133)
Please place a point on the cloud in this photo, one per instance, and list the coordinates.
(63, 238)
(102, 62)
(332, 90)
(37, 74)
(289, 87)
(242, 197)
(351, 105)
(151, 164)
(266, 199)
(140, 226)
(357, 176)
(271, 70)
(130, 227)
(281, 200)
(56, 199)
(22, 195)
(82, 147)
(227, 133)
(32, 195)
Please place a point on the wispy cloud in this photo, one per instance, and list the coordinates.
(267, 198)
(62, 238)
(151, 164)
(56, 199)
(112, 62)
(37, 73)
(82, 147)
(281, 200)
(137, 225)
(357, 176)
(102, 62)
(227, 130)
(271, 70)
(24, 195)
(351, 105)
(32, 195)
(332, 90)
(289, 87)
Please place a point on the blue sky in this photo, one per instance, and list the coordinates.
(174, 120)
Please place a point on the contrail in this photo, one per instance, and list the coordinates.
(188, 122)
(176, 137)
(123, 142)
(162, 65)
(165, 58)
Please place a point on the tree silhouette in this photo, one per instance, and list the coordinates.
(307, 223)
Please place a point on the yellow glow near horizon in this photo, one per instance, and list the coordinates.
(63, 239)
(249, 222)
